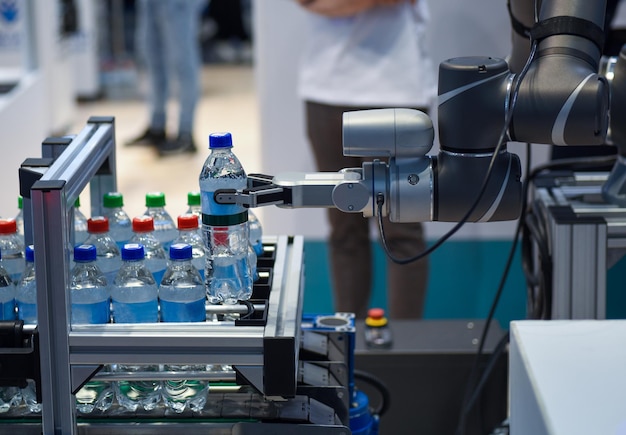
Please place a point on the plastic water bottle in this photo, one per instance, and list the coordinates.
(90, 305)
(109, 258)
(26, 302)
(7, 294)
(164, 226)
(19, 218)
(182, 297)
(156, 258)
(26, 293)
(193, 204)
(120, 225)
(80, 224)
(12, 249)
(10, 397)
(134, 300)
(256, 244)
(134, 291)
(181, 292)
(188, 233)
(224, 226)
(89, 291)
(256, 233)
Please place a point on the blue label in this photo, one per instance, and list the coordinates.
(92, 314)
(138, 312)
(27, 312)
(183, 311)
(7, 309)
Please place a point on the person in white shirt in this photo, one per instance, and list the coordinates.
(363, 54)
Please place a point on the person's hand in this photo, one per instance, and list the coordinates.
(344, 8)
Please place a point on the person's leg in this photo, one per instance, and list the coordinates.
(153, 15)
(349, 243)
(183, 51)
(407, 283)
(150, 51)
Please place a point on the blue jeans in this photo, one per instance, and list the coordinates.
(167, 37)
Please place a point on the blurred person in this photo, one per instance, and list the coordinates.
(364, 54)
(167, 39)
(231, 41)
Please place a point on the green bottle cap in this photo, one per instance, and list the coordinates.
(113, 200)
(155, 199)
(193, 198)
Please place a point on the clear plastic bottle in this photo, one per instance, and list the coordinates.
(26, 293)
(193, 204)
(256, 243)
(224, 226)
(182, 296)
(10, 397)
(89, 291)
(90, 305)
(7, 294)
(26, 302)
(164, 226)
(12, 249)
(109, 258)
(156, 258)
(256, 233)
(19, 218)
(80, 224)
(120, 225)
(134, 300)
(134, 291)
(181, 292)
(188, 233)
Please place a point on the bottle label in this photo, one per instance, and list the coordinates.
(210, 207)
(225, 220)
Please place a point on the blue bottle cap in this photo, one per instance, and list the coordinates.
(220, 140)
(181, 251)
(30, 253)
(84, 253)
(133, 252)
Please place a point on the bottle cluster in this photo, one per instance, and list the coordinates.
(147, 269)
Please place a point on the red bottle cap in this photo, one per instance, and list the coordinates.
(8, 226)
(98, 224)
(187, 221)
(143, 224)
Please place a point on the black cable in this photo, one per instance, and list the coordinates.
(250, 307)
(474, 371)
(576, 163)
(491, 363)
(380, 198)
(380, 387)
(533, 234)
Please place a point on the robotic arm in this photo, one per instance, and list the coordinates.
(557, 98)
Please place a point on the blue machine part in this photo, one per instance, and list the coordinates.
(362, 422)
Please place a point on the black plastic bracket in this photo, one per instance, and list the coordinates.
(19, 356)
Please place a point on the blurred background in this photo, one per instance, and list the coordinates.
(64, 61)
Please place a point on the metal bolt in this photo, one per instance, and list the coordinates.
(413, 179)
(350, 186)
(350, 207)
(470, 325)
(474, 341)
